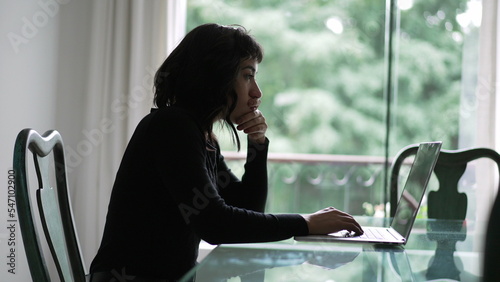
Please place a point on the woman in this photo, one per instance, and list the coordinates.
(173, 187)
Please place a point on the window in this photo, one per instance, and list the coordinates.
(347, 84)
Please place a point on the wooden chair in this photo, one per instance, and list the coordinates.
(450, 167)
(53, 204)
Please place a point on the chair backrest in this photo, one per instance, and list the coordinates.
(449, 168)
(53, 206)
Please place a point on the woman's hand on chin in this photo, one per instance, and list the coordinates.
(254, 125)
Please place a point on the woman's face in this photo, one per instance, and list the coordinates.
(247, 89)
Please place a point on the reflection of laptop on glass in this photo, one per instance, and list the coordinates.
(407, 208)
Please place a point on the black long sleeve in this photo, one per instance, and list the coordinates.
(172, 189)
(251, 192)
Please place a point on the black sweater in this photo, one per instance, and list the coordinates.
(172, 189)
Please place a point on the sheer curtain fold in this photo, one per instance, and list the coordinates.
(486, 92)
(127, 45)
(487, 110)
(488, 76)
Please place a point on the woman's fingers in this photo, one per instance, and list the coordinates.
(250, 119)
(330, 220)
(254, 124)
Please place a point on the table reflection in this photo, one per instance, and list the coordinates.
(231, 261)
(431, 254)
(304, 262)
(446, 234)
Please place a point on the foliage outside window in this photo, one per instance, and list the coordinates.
(324, 79)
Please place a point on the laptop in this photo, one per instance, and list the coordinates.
(414, 190)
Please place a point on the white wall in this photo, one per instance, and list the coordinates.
(43, 70)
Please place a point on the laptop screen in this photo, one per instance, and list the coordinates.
(415, 187)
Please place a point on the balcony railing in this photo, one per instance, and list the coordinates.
(308, 182)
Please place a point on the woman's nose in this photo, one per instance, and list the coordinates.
(256, 93)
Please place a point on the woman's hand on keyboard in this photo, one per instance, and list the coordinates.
(331, 220)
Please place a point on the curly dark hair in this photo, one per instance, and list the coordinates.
(200, 72)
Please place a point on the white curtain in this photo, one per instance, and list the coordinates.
(128, 43)
(487, 121)
(488, 77)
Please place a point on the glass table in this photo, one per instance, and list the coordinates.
(436, 250)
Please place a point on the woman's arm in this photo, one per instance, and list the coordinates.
(180, 160)
(180, 156)
(251, 191)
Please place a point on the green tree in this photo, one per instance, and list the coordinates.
(323, 79)
(324, 92)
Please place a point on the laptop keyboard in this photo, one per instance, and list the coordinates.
(376, 234)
